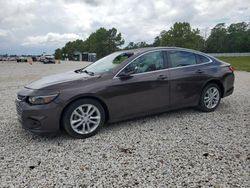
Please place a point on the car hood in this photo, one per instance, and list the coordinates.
(56, 79)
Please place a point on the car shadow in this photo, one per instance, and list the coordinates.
(179, 113)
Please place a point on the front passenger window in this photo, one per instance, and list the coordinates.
(149, 62)
(181, 58)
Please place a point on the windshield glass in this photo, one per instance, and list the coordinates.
(107, 63)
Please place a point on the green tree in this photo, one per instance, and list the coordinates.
(102, 42)
(237, 39)
(58, 53)
(114, 40)
(248, 39)
(234, 38)
(157, 41)
(182, 35)
(130, 45)
(216, 42)
(133, 45)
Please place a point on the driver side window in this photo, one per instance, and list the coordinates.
(149, 62)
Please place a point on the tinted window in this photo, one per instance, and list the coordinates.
(201, 59)
(146, 63)
(181, 58)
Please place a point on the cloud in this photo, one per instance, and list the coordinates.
(3, 33)
(50, 39)
(16, 14)
(51, 24)
(90, 2)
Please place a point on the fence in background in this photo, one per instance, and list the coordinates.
(229, 54)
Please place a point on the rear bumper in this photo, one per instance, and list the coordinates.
(228, 92)
(228, 84)
(39, 119)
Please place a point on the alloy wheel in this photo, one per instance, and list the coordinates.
(85, 119)
(212, 97)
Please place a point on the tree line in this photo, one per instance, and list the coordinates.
(234, 38)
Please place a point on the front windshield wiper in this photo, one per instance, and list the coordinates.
(88, 72)
(85, 71)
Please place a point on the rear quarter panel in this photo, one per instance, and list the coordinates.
(227, 78)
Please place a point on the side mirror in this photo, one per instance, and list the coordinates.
(128, 73)
(124, 75)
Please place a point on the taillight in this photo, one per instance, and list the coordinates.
(231, 68)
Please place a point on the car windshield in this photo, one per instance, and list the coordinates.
(107, 63)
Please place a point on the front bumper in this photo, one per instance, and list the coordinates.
(40, 119)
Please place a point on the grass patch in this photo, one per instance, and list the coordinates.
(241, 63)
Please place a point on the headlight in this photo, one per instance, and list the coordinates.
(42, 99)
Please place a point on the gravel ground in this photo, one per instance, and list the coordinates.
(183, 148)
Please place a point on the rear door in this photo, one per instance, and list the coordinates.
(145, 92)
(187, 76)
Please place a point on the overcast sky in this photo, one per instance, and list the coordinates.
(36, 26)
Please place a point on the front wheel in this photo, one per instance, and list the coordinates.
(210, 98)
(83, 118)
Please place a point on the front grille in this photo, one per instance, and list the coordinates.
(19, 108)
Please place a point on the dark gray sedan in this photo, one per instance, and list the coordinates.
(124, 85)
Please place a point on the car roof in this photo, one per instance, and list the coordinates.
(147, 49)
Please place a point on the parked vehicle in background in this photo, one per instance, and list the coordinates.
(34, 58)
(124, 85)
(4, 58)
(21, 59)
(49, 59)
(41, 59)
(12, 59)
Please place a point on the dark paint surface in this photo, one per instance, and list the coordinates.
(139, 95)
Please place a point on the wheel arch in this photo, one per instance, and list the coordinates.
(217, 82)
(104, 105)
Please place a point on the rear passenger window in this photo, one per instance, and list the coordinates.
(181, 58)
(201, 59)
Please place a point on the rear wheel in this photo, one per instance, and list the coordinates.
(83, 118)
(210, 98)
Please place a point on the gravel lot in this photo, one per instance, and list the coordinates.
(183, 148)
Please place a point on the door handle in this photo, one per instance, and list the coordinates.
(162, 77)
(199, 71)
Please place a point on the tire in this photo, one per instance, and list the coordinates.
(204, 104)
(79, 123)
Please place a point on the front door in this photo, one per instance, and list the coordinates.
(146, 91)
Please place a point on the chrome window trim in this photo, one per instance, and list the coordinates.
(171, 68)
(189, 65)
